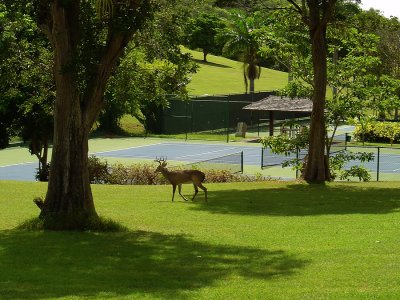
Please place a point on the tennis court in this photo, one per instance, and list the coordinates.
(176, 152)
(223, 155)
(190, 152)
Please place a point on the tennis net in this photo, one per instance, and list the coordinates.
(232, 162)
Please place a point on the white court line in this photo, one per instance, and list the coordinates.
(217, 145)
(125, 148)
(19, 164)
(200, 154)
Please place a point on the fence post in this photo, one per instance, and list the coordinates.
(227, 119)
(241, 162)
(262, 158)
(186, 120)
(377, 166)
(297, 161)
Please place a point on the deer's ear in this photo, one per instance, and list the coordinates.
(164, 163)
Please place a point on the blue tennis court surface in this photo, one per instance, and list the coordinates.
(192, 152)
(186, 152)
(183, 152)
(23, 172)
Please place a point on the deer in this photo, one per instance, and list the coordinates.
(176, 178)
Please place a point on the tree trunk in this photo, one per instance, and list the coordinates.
(252, 85)
(69, 201)
(317, 168)
(205, 55)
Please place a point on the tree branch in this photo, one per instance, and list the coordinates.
(111, 55)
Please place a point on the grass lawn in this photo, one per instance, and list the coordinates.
(273, 240)
(220, 76)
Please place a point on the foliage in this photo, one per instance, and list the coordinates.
(26, 81)
(42, 173)
(378, 132)
(356, 171)
(295, 89)
(152, 69)
(283, 144)
(100, 172)
(285, 38)
(201, 32)
(241, 39)
(338, 161)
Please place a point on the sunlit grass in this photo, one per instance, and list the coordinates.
(270, 240)
(222, 76)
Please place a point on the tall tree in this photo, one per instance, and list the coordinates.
(87, 48)
(26, 81)
(242, 40)
(201, 32)
(316, 15)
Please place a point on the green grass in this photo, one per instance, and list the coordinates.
(220, 76)
(274, 240)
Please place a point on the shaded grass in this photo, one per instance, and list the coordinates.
(95, 224)
(270, 240)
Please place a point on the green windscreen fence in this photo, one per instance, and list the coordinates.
(217, 117)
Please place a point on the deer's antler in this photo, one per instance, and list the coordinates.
(160, 160)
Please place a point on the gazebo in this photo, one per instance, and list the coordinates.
(283, 104)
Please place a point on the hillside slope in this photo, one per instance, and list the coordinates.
(224, 76)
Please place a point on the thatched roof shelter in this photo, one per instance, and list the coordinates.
(277, 103)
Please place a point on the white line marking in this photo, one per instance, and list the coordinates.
(201, 154)
(19, 164)
(125, 148)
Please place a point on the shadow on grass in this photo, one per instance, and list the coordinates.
(303, 200)
(206, 63)
(38, 265)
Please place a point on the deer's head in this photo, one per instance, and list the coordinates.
(162, 164)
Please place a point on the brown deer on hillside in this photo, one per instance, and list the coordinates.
(176, 178)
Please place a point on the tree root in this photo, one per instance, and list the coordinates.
(39, 202)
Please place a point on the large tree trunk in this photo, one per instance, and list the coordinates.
(317, 167)
(69, 201)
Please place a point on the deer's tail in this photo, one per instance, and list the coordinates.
(202, 176)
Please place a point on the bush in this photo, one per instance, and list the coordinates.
(100, 172)
(381, 132)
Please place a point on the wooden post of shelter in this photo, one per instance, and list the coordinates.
(271, 123)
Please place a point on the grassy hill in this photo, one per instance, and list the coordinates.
(224, 76)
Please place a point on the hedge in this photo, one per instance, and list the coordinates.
(383, 132)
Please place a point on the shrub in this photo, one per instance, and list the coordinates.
(384, 132)
(134, 174)
(142, 173)
(100, 172)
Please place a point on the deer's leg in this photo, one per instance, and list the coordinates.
(196, 190)
(204, 189)
(179, 190)
(173, 191)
